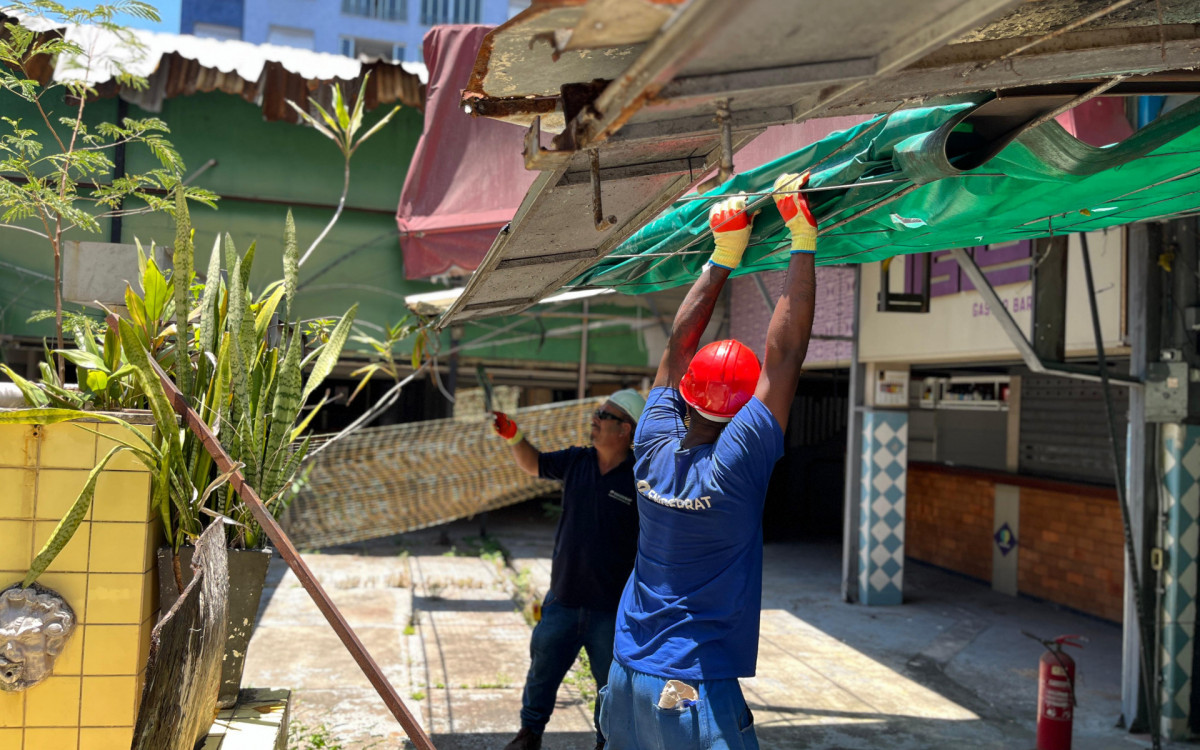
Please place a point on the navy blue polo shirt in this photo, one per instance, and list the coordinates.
(691, 608)
(596, 540)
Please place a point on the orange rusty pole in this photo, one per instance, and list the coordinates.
(288, 552)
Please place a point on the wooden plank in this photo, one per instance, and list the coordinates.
(183, 677)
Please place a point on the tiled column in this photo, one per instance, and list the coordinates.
(1181, 496)
(882, 509)
(106, 573)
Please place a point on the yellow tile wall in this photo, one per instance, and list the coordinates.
(106, 573)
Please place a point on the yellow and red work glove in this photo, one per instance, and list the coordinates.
(793, 207)
(731, 231)
(506, 428)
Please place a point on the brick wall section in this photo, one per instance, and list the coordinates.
(749, 314)
(949, 520)
(1072, 550)
(1071, 543)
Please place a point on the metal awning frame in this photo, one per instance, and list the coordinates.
(1011, 329)
(658, 100)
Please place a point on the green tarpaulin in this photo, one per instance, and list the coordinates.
(929, 179)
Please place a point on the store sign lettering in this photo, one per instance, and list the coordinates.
(1019, 304)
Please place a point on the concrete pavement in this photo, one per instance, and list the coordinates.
(948, 669)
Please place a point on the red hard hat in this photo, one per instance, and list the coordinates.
(720, 379)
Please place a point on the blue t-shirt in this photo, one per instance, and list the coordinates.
(691, 608)
(596, 539)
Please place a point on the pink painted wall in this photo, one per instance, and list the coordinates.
(749, 314)
(748, 311)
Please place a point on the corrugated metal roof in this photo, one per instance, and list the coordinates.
(181, 64)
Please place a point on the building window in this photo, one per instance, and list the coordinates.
(289, 37)
(384, 10)
(434, 12)
(370, 50)
(216, 31)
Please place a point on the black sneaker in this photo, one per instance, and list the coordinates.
(526, 739)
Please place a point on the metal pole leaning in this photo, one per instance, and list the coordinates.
(288, 552)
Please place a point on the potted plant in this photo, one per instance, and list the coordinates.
(234, 354)
(240, 367)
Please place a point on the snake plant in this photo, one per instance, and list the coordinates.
(239, 362)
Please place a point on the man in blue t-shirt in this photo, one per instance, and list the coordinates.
(594, 548)
(704, 450)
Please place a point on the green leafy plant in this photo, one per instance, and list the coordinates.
(384, 352)
(238, 358)
(58, 174)
(104, 376)
(342, 128)
(236, 362)
(320, 737)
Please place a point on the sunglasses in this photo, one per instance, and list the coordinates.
(601, 414)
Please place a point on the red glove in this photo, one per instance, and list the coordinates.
(731, 231)
(793, 207)
(506, 428)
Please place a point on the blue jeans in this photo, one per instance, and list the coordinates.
(631, 719)
(552, 650)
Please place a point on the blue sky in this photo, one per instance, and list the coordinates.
(168, 9)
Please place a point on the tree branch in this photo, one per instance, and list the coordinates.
(26, 229)
(336, 214)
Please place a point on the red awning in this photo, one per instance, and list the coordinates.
(467, 176)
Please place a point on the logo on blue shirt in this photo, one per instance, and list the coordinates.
(704, 502)
(618, 496)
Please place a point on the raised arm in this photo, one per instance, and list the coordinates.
(791, 323)
(524, 454)
(731, 233)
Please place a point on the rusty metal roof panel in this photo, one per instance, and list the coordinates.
(647, 114)
(181, 64)
(524, 63)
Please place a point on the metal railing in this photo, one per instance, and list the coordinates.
(383, 10)
(434, 12)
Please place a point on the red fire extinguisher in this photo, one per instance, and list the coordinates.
(1056, 693)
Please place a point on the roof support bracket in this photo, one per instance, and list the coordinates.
(1050, 297)
(601, 221)
(724, 120)
(726, 125)
(538, 158)
(1017, 336)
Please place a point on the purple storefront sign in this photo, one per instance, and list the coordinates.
(1002, 264)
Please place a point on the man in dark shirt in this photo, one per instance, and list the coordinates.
(594, 549)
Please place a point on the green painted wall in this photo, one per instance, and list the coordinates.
(263, 168)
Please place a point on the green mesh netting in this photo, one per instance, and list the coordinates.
(925, 179)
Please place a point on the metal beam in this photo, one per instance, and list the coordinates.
(755, 81)
(1145, 294)
(753, 120)
(630, 171)
(854, 400)
(1017, 336)
(681, 38)
(1050, 298)
(964, 17)
(921, 82)
(537, 260)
